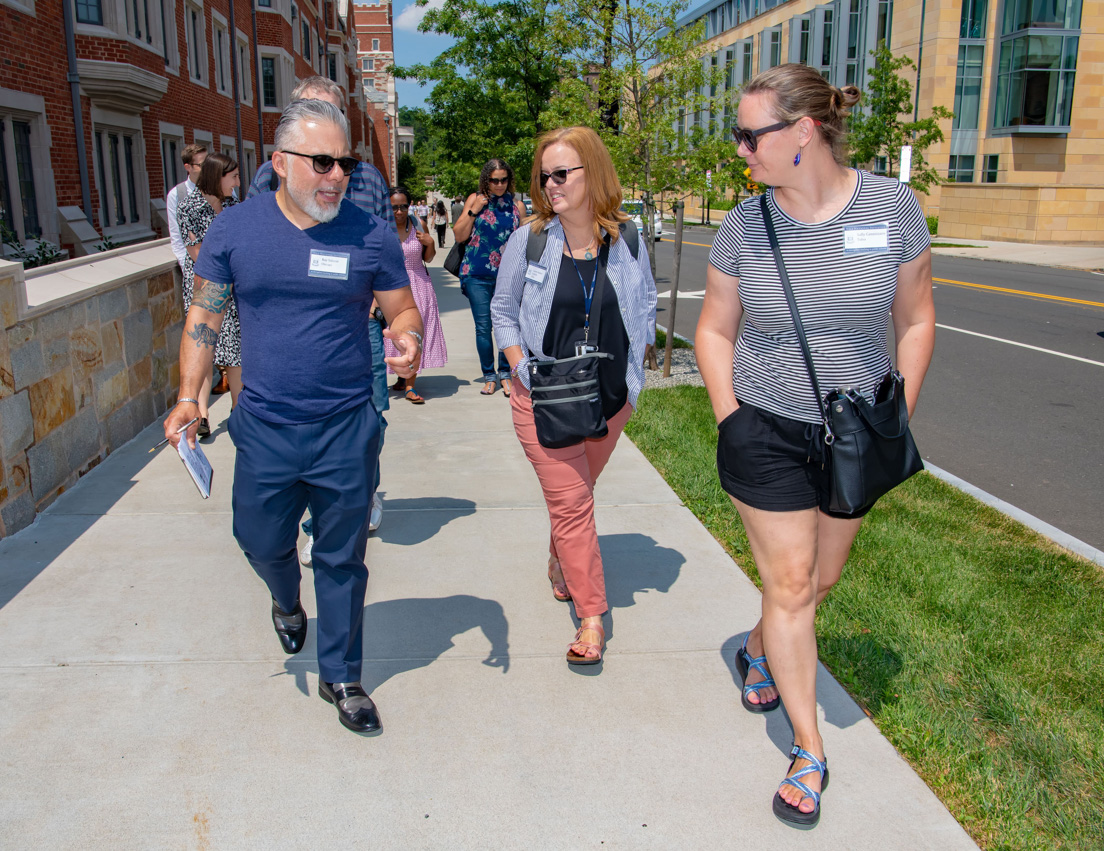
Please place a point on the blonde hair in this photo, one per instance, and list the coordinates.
(797, 91)
(602, 185)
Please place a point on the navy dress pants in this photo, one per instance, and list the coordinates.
(330, 466)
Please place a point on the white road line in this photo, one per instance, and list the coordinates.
(1021, 345)
(682, 294)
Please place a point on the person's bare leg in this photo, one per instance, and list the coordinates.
(204, 398)
(234, 379)
(834, 538)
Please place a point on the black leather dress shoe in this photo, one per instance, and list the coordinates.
(354, 707)
(290, 626)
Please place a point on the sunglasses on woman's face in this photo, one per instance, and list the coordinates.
(324, 163)
(750, 138)
(559, 176)
(498, 181)
(400, 207)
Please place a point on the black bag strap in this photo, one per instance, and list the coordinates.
(534, 248)
(829, 437)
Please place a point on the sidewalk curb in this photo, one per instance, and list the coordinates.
(1059, 537)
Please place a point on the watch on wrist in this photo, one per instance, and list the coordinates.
(470, 213)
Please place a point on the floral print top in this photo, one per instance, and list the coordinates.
(490, 232)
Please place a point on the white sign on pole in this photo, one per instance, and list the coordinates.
(709, 178)
(906, 163)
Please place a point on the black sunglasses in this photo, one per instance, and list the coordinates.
(559, 176)
(498, 181)
(324, 163)
(397, 207)
(750, 138)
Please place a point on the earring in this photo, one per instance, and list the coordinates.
(797, 159)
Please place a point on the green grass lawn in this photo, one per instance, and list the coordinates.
(975, 644)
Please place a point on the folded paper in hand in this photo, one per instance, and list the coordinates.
(199, 468)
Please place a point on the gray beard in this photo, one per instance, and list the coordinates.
(306, 202)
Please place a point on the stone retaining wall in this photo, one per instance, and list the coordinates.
(82, 374)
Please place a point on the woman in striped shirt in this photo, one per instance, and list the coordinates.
(857, 250)
(543, 308)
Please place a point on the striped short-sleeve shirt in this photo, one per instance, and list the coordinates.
(844, 276)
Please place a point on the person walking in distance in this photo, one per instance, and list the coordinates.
(490, 215)
(304, 265)
(368, 190)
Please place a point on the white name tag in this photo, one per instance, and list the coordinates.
(859, 239)
(536, 273)
(328, 264)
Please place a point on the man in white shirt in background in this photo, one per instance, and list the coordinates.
(192, 156)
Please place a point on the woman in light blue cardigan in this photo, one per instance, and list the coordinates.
(540, 308)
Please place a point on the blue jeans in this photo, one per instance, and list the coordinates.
(379, 401)
(479, 292)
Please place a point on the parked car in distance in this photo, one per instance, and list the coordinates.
(528, 205)
(635, 208)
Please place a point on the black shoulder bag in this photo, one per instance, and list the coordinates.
(868, 449)
(567, 403)
(455, 257)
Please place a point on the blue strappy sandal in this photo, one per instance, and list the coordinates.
(745, 664)
(791, 814)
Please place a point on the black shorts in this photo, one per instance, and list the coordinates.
(771, 462)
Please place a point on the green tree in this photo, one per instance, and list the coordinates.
(407, 171)
(882, 128)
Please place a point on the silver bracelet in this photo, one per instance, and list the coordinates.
(415, 335)
(186, 399)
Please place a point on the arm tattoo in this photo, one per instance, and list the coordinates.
(204, 335)
(211, 296)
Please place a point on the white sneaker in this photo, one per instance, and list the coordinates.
(305, 553)
(375, 516)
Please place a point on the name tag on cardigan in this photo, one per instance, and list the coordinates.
(536, 273)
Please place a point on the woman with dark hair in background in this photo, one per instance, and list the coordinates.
(417, 248)
(856, 249)
(490, 215)
(440, 221)
(218, 179)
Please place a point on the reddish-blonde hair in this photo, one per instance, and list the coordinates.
(602, 186)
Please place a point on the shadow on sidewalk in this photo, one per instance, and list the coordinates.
(391, 648)
(431, 515)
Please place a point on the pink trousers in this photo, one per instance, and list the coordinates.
(567, 477)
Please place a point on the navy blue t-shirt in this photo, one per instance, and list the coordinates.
(306, 354)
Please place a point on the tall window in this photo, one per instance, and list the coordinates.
(1037, 65)
(222, 59)
(332, 67)
(17, 186)
(196, 31)
(991, 162)
(968, 86)
(973, 18)
(306, 40)
(804, 43)
(268, 80)
(170, 161)
(89, 12)
(375, 44)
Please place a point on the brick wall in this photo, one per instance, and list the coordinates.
(80, 376)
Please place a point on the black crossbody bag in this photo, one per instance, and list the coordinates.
(567, 400)
(868, 449)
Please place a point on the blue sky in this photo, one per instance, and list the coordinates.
(412, 47)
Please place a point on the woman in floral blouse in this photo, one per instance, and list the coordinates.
(214, 192)
(490, 215)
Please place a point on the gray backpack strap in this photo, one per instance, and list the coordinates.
(534, 246)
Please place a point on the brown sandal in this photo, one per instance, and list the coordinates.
(559, 589)
(574, 658)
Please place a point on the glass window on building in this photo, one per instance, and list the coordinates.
(89, 12)
(804, 40)
(973, 18)
(6, 214)
(306, 40)
(990, 175)
(24, 170)
(968, 86)
(268, 80)
(265, 3)
(885, 21)
(881, 165)
(960, 169)
(170, 161)
(1035, 80)
(1046, 14)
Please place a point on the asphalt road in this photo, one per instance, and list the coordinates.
(1014, 400)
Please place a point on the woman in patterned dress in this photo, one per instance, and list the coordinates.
(417, 246)
(214, 192)
(490, 215)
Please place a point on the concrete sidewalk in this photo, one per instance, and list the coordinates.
(148, 704)
(1088, 258)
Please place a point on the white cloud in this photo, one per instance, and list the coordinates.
(411, 17)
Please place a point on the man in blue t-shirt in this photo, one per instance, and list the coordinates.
(303, 265)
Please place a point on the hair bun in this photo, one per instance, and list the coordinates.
(849, 96)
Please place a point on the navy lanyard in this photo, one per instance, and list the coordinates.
(588, 297)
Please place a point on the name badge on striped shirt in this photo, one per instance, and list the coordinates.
(328, 264)
(536, 273)
(865, 239)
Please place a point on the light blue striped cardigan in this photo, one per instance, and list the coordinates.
(520, 308)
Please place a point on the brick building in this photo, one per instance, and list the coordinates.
(1024, 80)
(151, 77)
(374, 25)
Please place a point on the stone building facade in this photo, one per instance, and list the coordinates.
(1024, 155)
